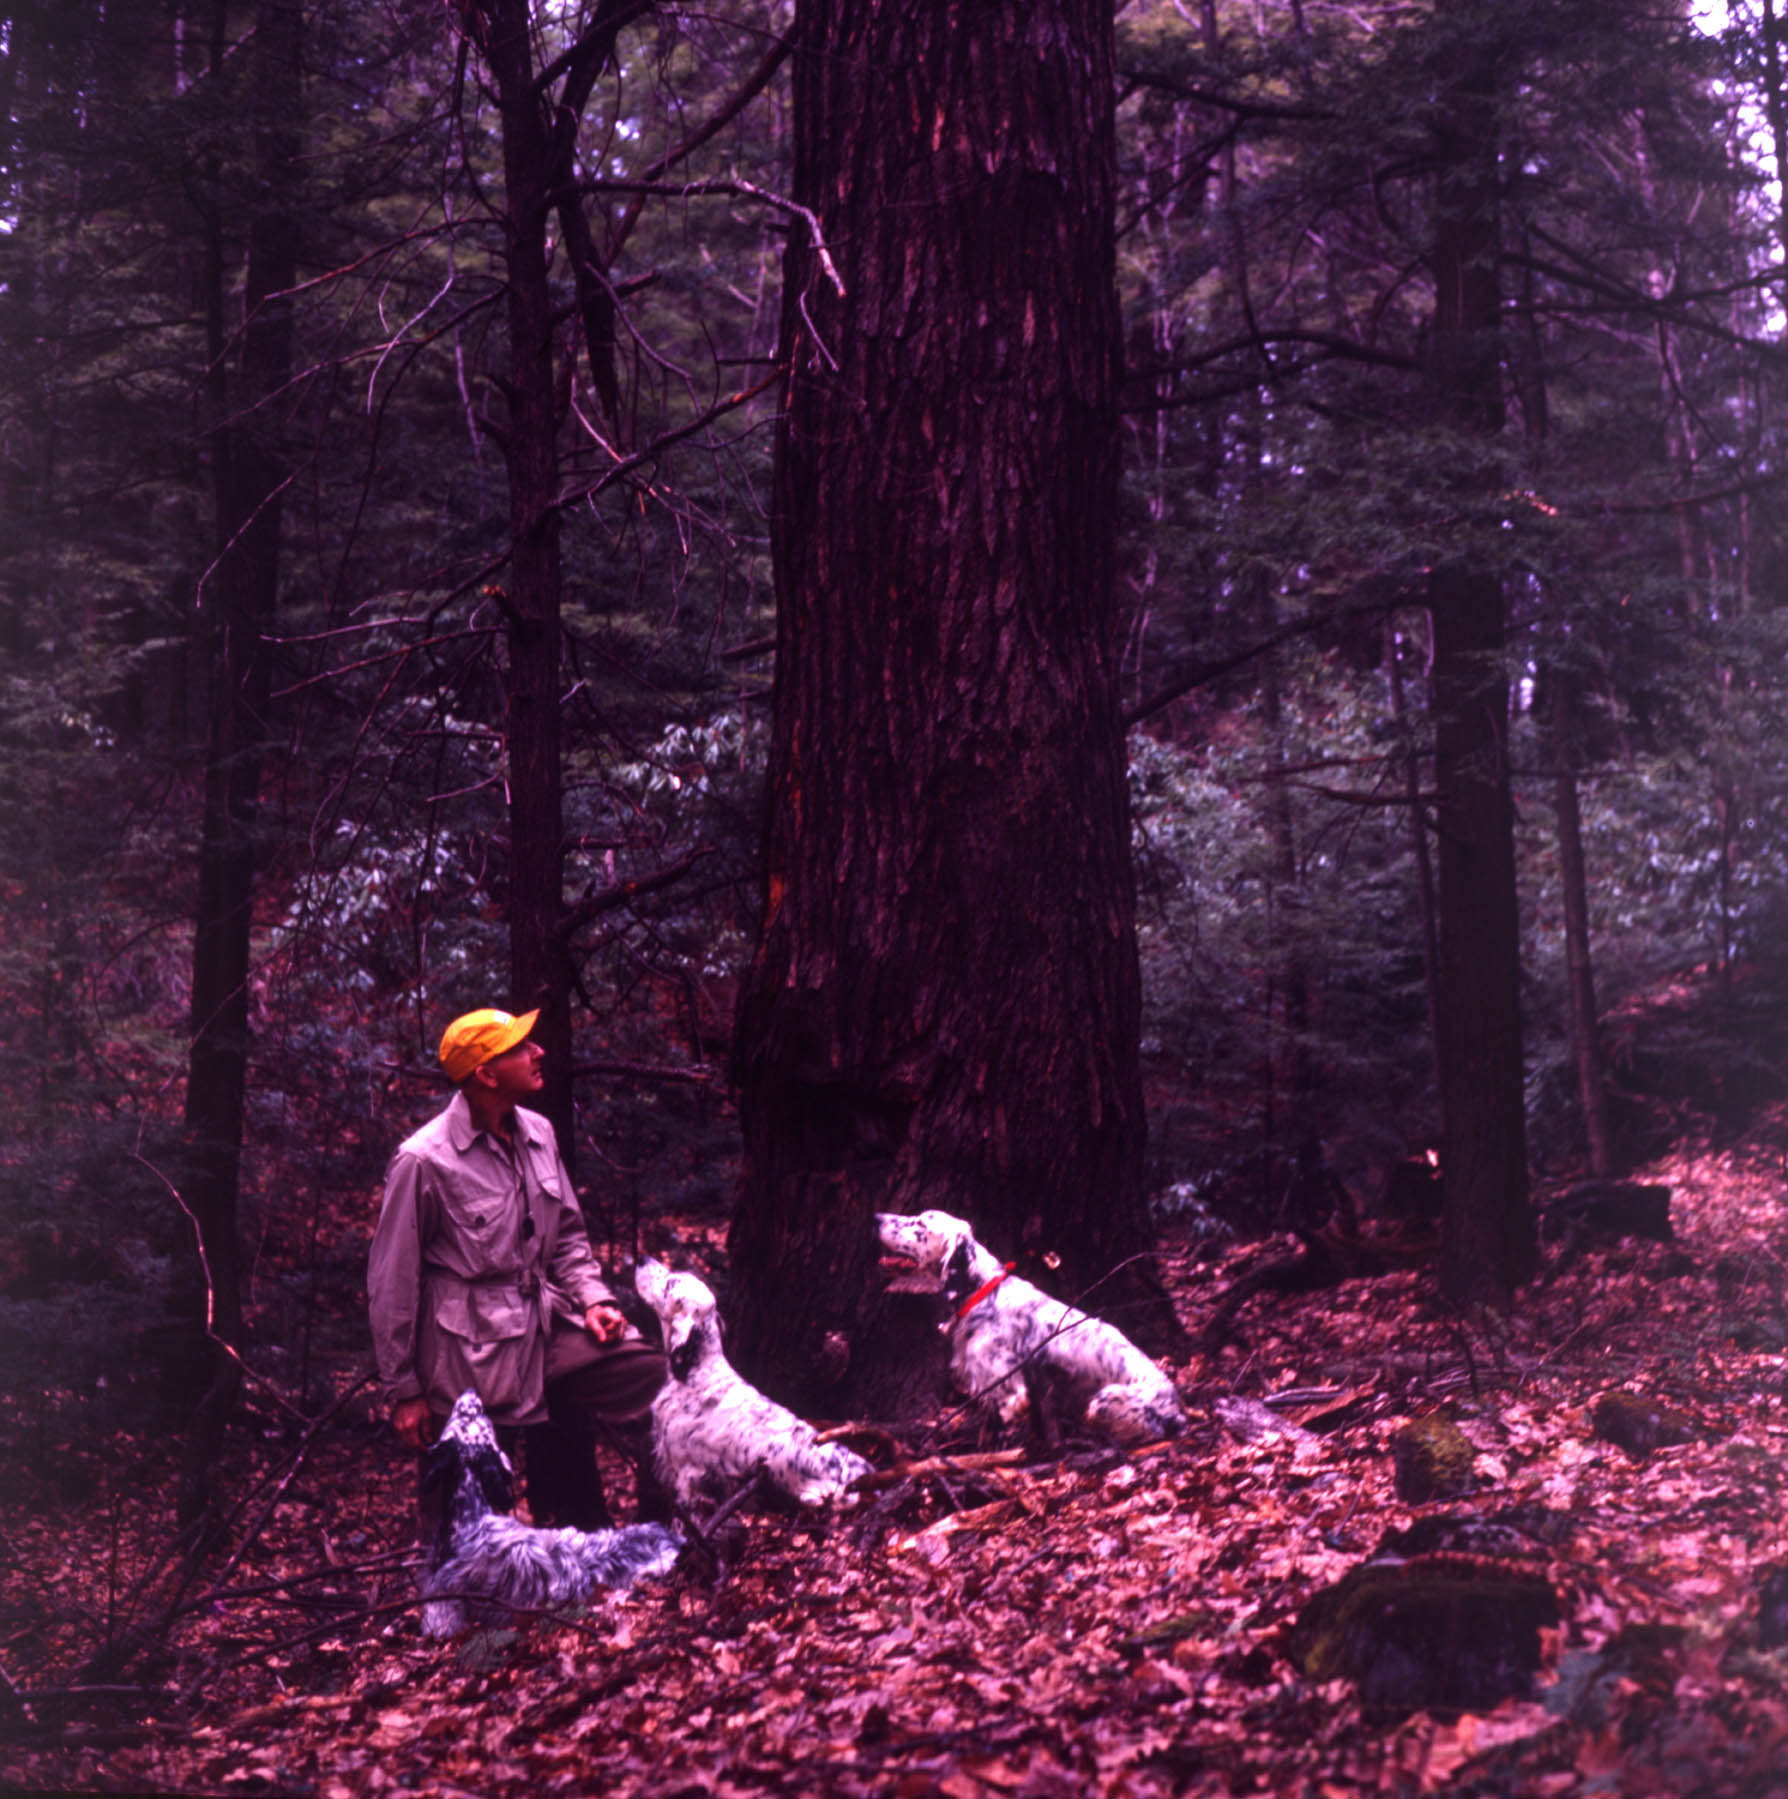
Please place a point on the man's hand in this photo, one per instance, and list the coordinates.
(413, 1422)
(604, 1322)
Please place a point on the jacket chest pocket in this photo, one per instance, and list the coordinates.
(546, 1196)
(543, 1173)
(482, 1220)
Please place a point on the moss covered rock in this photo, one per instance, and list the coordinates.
(1434, 1459)
(1415, 1636)
(1639, 1425)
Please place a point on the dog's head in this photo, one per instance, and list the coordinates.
(687, 1311)
(468, 1460)
(942, 1246)
(927, 1239)
(469, 1425)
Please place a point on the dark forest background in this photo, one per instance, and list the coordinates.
(389, 396)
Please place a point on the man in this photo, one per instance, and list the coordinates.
(481, 1276)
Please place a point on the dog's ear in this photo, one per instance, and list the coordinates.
(439, 1464)
(683, 1345)
(958, 1282)
(495, 1481)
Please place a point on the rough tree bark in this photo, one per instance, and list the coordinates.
(249, 474)
(943, 1010)
(1489, 1244)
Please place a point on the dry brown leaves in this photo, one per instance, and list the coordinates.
(1096, 1623)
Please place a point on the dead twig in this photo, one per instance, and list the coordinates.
(976, 1462)
(385, 1559)
(703, 1535)
(861, 1434)
(210, 1674)
(16, 1701)
(117, 1651)
(725, 1511)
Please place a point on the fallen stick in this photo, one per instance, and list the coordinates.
(943, 1465)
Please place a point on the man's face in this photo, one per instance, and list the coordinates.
(516, 1072)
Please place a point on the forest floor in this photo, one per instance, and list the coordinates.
(1081, 1621)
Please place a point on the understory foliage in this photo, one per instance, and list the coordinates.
(1285, 492)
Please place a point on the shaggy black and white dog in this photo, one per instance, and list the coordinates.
(484, 1560)
(710, 1429)
(1002, 1327)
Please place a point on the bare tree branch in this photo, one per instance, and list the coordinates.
(624, 893)
(1243, 108)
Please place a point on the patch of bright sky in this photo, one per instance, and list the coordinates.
(1713, 17)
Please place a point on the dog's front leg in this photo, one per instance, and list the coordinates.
(1044, 1397)
(994, 1383)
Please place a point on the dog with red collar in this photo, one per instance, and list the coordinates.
(1003, 1328)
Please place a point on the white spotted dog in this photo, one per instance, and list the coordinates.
(710, 1430)
(1001, 1327)
(483, 1560)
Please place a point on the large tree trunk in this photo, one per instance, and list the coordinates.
(1489, 1246)
(944, 1006)
(250, 474)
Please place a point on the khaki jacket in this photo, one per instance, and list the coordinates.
(460, 1292)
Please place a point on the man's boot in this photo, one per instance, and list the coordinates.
(652, 1504)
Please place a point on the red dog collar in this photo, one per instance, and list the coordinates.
(980, 1293)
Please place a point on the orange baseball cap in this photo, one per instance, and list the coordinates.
(475, 1038)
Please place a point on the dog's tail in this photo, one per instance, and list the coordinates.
(638, 1550)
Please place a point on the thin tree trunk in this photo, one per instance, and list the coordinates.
(1290, 1073)
(539, 967)
(539, 128)
(1586, 1036)
(1585, 1031)
(1424, 863)
(944, 1007)
(250, 475)
(1775, 105)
